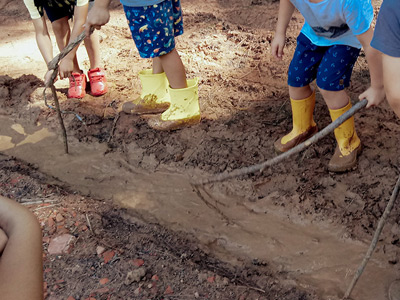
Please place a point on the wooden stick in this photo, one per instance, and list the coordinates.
(53, 65)
(374, 241)
(261, 166)
(60, 119)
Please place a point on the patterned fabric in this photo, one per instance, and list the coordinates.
(387, 31)
(155, 27)
(330, 65)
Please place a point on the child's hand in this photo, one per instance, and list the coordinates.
(97, 17)
(66, 67)
(3, 240)
(277, 45)
(47, 77)
(374, 96)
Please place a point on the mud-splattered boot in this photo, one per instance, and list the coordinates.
(154, 98)
(348, 144)
(303, 124)
(184, 110)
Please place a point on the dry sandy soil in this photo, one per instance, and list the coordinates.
(294, 232)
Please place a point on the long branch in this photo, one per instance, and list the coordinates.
(374, 241)
(53, 65)
(261, 166)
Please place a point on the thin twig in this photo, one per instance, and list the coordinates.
(374, 241)
(60, 119)
(113, 127)
(253, 288)
(38, 202)
(48, 206)
(53, 65)
(262, 166)
(89, 225)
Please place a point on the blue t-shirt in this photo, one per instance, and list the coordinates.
(387, 30)
(335, 22)
(140, 3)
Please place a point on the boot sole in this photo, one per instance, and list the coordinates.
(310, 134)
(351, 167)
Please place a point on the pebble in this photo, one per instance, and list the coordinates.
(100, 250)
(135, 275)
(61, 244)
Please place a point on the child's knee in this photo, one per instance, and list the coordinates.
(60, 27)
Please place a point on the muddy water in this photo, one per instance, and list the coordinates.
(314, 256)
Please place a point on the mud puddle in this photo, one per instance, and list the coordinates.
(313, 255)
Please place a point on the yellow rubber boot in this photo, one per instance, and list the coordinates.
(154, 97)
(183, 111)
(348, 143)
(303, 124)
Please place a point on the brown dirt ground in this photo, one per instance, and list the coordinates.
(245, 108)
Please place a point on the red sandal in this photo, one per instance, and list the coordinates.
(77, 86)
(98, 81)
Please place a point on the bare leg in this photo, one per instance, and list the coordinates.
(62, 33)
(157, 66)
(21, 269)
(92, 46)
(172, 65)
(300, 93)
(335, 99)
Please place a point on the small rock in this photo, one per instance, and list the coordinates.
(104, 281)
(100, 250)
(202, 277)
(168, 291)
(137, 291)
(108, 256)
(155, 278)
(138, 262)
(59, 218)
(135, 275)
(225, 281)
(196, 295)
(61, 244)
(50, 221)
(109, 113)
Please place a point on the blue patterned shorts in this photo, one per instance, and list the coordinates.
(331, 65)
(155, 27)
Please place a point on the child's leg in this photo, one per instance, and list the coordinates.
(92, 46)
(298, 93)
(62, 33)
(302, 71)
(97, 76)
(157, 66)
(174, 69)
(391, 75)
(334, 74)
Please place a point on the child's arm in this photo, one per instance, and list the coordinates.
(98, 16)
(391, 66)
(66, 64)
(375, 93)
(21, 266)
(286, 9)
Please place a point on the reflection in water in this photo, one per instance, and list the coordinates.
(6, 140)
